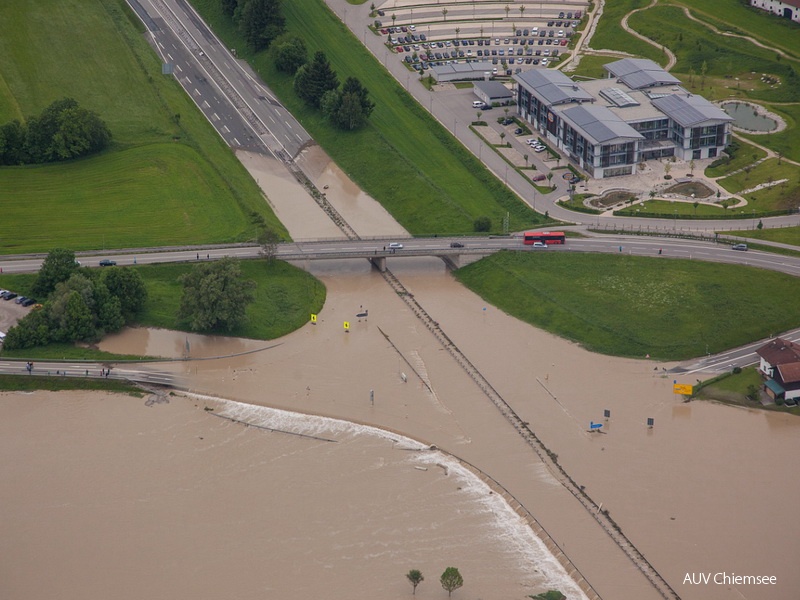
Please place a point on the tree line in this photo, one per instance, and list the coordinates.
(451, 579)
(83, 305)
(262, 24)
(62, 131)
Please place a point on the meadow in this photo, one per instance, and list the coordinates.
(168, 177)
(404, 158)
(634, 306)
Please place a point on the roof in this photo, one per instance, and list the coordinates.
(599, 125)
(690, 110)
(780, 352)
(789, 372)
(494, 89)
(795, 3)
(639, 73)
(553, 86)
(776, 387)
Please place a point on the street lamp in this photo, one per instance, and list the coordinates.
(754, 218)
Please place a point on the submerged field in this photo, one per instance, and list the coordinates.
(633, 306)
(168, 178)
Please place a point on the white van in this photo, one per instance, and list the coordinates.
(477, 104)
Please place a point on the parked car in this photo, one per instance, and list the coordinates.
(29, 302)
(20, 299)
(539, 177)
(739, 247)
(108, 263)
(456, 245)
(9, 296)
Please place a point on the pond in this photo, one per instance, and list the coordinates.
(747, 116)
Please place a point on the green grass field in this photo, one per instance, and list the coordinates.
(24, 383)
(403, 157)
(165, 180)
(784, 235)
(611, 36)
(746, 154)
(633, 306)
(777, 197)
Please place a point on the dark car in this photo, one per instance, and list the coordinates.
(28, 302)
(9, 296)
(108, 263)
(539, 177)
(456, 245)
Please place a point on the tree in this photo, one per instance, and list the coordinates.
(58, 266)
(502, 137)
(507, 9)
(64, 131)
(32, 330)
(268, 240)
(521, 10)
(260, 22)
(289, 53)
(525, 157)
(12, 144)
(458, 30)
(451, 580)
(667, 169)
(349, 108)
(550, 178)
(691, 167)
(128, 286)
(695, 204)
(479, 113)
(215, 296)
(415, 577)
(444, 13)
(312, 80)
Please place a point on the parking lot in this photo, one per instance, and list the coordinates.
(520, 41)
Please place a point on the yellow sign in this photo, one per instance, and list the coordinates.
(346, 325)
(313, 318)
(682, 388)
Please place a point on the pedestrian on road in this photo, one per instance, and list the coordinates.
(198, 256)
(659, 251)
(208, 256)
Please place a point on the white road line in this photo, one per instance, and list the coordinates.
(225, 129)
(216, 116)
(178, 67)
(196, 92)
(237, 142)
(188, 81)
(206, 104)
(271, 119)
(169, 56)
(160, 45)
(289, 125)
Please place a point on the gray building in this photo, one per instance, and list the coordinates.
(493, 93)
(606, 127)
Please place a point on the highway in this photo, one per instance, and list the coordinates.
(240, 107)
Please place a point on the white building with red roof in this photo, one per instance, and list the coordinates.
(780, 364)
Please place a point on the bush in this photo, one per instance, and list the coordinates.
(482, 224)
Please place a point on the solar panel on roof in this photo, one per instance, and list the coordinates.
(617, 97)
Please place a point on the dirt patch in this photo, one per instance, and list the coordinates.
(691, 189)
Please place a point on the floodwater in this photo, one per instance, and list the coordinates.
(746, 117)
(171, 501)
(105, 496)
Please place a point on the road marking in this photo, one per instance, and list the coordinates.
(196, 92)
(289, 125)
(206, 104)
(236, 141)
(169, 56)
(160, 45)
(178, 67)
(216, 117)
(188, 81)
(225, 129)
(271, 119)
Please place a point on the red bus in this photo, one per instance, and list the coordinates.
(548, 237)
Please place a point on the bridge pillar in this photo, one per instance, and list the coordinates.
(379, 262)
(453, 261)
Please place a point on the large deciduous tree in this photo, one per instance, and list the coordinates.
(415, 577)
(289, 53)
(349, 108)
(128, 286)
(58, 266)
(64, 131)
(215, 296)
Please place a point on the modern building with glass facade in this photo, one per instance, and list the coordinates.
(606, 127)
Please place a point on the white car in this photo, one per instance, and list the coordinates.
(395, 246)
(539, 149)
(539, 245)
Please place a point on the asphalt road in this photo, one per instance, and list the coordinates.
(240, 107)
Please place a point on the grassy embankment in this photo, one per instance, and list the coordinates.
(24, 383)
(285, 296)
(167, 179)
(734, 388)
(403, 158)
(633, 306)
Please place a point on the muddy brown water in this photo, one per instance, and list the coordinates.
(105, 496)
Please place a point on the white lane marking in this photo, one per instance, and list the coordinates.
(160, 45)
(237, 142)
(196, 92)
(225, 129)
(178, 67)
(289, 125)
(216, 117)
(169, 56)
(206, 104)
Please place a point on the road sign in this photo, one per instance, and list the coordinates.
(313, 318)
(593, 425)
(682, 388)
(347, 325)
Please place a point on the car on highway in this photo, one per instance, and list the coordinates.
(395, 246)
(456, 245)
(539, 245)
(739, 247)
(108, 263)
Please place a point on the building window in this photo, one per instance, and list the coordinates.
(696, 154)
(712, 152)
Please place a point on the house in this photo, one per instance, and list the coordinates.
(789, 9)
(607, 127)
(780, 364)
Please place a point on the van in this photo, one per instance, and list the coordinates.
(477, 104)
